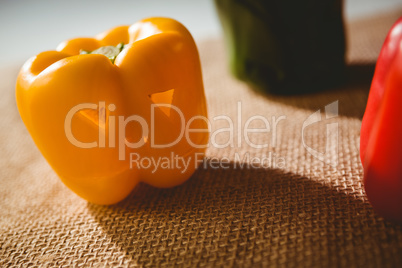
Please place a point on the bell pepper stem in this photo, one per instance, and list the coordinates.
(110, 52)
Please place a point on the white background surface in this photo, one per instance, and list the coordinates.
(29, 27)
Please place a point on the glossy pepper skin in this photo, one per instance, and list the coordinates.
(159, 65)
(284, 46)
(381, 131)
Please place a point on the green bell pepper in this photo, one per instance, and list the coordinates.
(284, 46)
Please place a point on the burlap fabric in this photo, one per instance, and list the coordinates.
(299, 212)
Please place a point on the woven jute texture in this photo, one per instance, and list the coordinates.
(288, 210)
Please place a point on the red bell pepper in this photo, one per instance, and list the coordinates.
(381, 131)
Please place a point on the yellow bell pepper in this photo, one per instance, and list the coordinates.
(125, 106)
